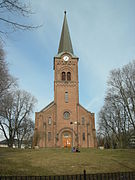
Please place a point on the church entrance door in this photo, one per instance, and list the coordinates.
(67, 139)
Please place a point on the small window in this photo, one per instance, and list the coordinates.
(49, 136)
(49, 121)
(44, 125)
(83, 121)
(83, 136)
(66, 115)
(66, 97)
(63, 76)
(68, 76)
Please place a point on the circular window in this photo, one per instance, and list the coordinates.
(66, 115)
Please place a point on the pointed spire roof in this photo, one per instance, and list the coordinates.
(65, 44)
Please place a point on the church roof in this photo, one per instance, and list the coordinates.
(65, 44)
(48, 106)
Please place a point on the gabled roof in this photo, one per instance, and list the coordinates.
(86, 109)
(48, 106)
(65, 44)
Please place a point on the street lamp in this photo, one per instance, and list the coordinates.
(74, 123)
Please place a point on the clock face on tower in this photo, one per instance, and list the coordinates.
(65, 58)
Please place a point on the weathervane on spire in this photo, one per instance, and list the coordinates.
(65, 12)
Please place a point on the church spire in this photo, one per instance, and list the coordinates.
(65, 44)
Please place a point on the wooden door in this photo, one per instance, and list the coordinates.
(67, 140)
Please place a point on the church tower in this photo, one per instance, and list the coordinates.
(66, 94)
(64, 122)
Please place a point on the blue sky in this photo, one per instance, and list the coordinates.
(103, 37)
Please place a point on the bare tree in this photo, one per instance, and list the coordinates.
(117, 117)
(122, 85)
(13, 14)
(7, 82)
(15, 110)
(25, 132)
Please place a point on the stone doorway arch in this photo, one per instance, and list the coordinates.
(62, 134)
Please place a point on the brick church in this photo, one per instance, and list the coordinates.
(65, 122)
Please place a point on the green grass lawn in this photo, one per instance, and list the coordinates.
(62, 161)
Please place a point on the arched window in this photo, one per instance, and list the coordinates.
(63, 76)
(68, 76)
(49, 120)
(83, 121)
(49, 136)
(83, 136)
(66, 97)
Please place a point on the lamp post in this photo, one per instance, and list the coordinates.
(73, 123)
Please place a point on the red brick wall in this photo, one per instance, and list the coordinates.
(59, 106)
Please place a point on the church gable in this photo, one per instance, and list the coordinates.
(45, 126)
(86, 117)
(84, 110)
(47, 107)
